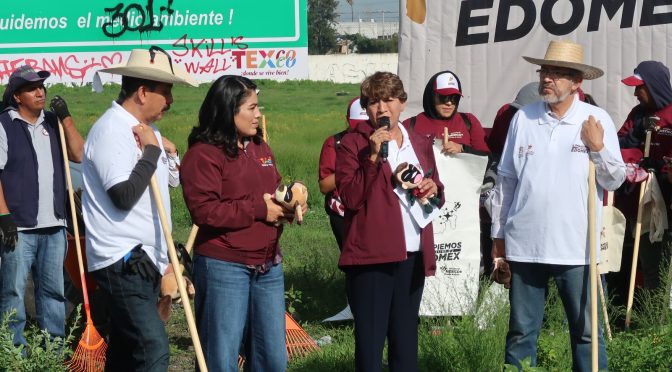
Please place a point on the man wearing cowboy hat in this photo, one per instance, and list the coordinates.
(539, 207)
(33, 199)
(125, 245)
(651, 81)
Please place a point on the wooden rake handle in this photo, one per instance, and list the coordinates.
(638, 233)
(156, 193)
(75, 224)
(593, 264)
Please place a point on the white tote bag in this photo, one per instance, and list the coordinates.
(611, 237)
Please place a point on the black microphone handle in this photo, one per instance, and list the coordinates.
(385, 121)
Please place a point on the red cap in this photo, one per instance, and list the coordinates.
(447, 84)
(355, 114)
(633, 81)
(632, 155)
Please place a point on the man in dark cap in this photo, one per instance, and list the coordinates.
(33, 200)
(651, 80)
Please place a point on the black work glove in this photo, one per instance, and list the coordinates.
(59, 107)
(184, 258)
(648, 164)
(140, 263)
(8, 234)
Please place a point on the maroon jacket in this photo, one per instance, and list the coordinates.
(471, 138)
(631, 135)
(373, 224)
(500, 128)
(225, 199)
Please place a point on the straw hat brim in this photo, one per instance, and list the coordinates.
(589, 72)
(153, 74)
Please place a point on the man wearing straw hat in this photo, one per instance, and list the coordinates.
(125, 246)
(32, 200)
(540, 224)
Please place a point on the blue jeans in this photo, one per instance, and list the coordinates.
(40, 251)
(529, 283)
(233, 300)
(138, 339)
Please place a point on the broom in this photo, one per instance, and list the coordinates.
(90, 352)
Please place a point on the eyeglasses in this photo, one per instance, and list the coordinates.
(556, 74)
(453, 98)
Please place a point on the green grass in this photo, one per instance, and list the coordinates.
(300, 115)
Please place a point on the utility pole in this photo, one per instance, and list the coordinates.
(382, 11)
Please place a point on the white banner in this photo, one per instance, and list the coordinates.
(482, 41)
(454, 289)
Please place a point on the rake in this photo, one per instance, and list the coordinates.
(89, 356)
(298, 342)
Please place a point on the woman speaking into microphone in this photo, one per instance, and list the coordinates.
(389, 245)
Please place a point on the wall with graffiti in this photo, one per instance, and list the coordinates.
(350, 68)
(263, 39)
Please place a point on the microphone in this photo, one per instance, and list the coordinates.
(384, 121)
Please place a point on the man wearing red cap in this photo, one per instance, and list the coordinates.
(651, 80)
(33, 199)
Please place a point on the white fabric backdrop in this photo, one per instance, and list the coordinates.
(492, 72)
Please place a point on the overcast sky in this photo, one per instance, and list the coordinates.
(367, 9)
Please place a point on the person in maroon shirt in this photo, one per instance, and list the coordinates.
(651, 83)
(227, 176)
(440, 103)
(387, 250)
(333, 205)
(354, 115)
(500, 126)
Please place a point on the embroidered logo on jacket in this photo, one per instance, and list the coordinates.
(266, 161)
(456, 135)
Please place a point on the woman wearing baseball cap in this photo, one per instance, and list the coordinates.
(440, 102)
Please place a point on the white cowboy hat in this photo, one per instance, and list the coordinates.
(568, 55)
(153, 64)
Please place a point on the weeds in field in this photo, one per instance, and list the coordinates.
(41, 353)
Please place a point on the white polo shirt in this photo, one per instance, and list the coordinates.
(547, 220)
(110, 154)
